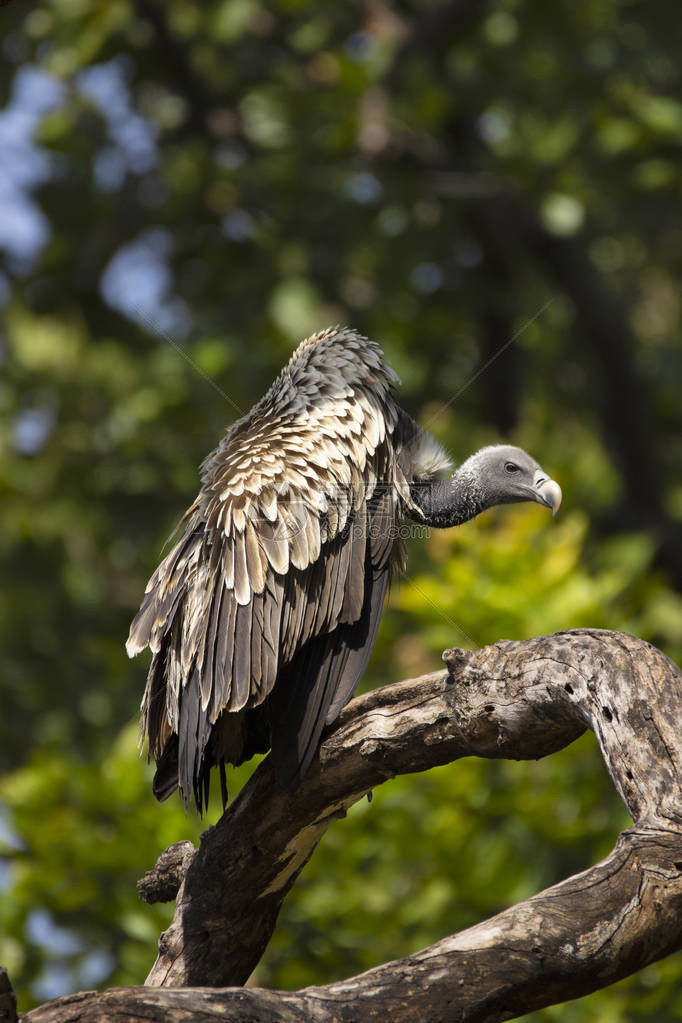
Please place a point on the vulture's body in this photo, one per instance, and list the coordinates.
(262, 617)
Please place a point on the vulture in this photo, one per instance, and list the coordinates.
(262, 617)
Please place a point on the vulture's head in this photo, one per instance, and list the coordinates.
(506, 475)
(496, 475)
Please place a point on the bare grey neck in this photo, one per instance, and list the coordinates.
(450, 502)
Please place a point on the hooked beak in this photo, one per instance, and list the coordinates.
(547, 491)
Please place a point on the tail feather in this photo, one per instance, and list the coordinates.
(166, 778)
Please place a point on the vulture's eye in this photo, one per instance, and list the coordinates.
(511, 467)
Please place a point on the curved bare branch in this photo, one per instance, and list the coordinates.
(513, 700)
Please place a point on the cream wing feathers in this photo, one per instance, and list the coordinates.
(281, 569)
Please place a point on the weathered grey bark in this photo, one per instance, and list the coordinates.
(513, 700)
(163, 882)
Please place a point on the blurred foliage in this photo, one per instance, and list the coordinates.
(490, 190)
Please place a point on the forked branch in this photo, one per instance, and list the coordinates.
(513, 700)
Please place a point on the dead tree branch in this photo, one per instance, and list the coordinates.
(513, 700)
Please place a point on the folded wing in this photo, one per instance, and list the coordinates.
(262, 617)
